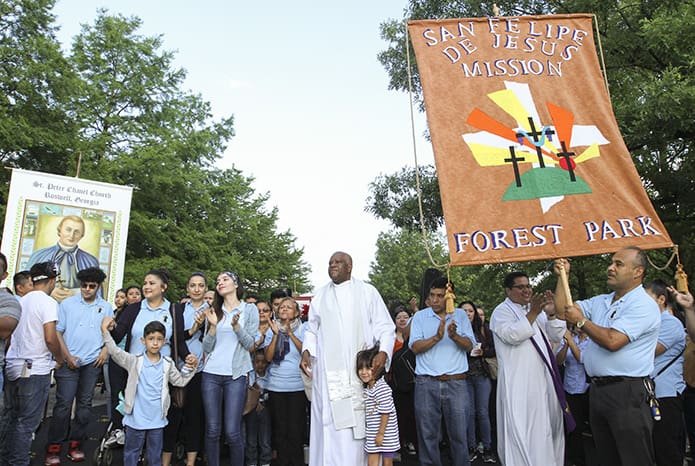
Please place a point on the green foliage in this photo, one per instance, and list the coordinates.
(36, 82)
(400, 263)
(394, 198)
(132, 124)
(650, 67)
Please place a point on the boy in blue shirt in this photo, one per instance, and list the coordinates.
(147, 390)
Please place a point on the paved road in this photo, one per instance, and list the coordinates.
(99, 426)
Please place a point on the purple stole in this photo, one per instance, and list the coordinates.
(552, 366)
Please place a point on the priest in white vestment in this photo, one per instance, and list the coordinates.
(530, 429)
(345, 316)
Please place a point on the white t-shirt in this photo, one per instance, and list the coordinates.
(28, 339)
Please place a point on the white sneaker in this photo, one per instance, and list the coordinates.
(117, 437)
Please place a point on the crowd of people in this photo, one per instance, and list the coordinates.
(357, 383)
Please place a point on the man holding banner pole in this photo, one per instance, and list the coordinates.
(623, 327)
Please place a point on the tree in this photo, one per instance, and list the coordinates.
(36, 83)
(117, 101)
(394, 198)
(400, 262)
(650, 67)
(139, 128)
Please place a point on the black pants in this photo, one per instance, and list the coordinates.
(574, 444)
(669, 435)
(117, 380)
(189, 420)
(287, 413)
(405, 410)
(622, 423)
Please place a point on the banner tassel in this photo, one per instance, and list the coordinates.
(681, 277)
(449, 296)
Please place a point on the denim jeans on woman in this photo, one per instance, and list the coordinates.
(479, 387)
(219, 391)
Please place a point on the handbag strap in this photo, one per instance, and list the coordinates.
(669, 363)
(172, 310)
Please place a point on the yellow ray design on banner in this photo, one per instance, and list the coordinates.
(508, 101)
(591, 152)
(488, 156)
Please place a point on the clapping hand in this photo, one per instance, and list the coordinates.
(684, 300)
(211, 315)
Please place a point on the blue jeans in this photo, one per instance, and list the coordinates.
(73, 384)
(434, 400)
(135, 439)
(25, 400)
(479, 387)
(218, 391)
(258, 429)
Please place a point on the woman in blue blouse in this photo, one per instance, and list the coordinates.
(231, 330)
(130, 323)
(286, 389)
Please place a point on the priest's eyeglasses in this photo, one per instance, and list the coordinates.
(522, 287)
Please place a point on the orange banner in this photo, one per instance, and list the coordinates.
(530, 160)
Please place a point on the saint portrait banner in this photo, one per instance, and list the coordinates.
(530, 160)
(72, 222)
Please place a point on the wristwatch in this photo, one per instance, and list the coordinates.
(581, 323)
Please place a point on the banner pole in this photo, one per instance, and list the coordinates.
(79, 164)
(564, 282)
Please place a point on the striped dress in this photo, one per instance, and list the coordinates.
(378, 400)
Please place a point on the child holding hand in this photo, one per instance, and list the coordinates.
(382, 424)
(147, 390)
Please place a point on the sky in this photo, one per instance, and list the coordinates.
(315, 122)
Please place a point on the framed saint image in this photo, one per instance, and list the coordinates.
(73, 223)
(70, 237)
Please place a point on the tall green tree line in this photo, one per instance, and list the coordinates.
(116, 100)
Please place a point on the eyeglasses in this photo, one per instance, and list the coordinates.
(522, 287)
(90, 286)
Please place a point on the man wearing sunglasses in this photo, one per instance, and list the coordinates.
(79, 333)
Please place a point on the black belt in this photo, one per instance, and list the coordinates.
(611, 379)
(448, 377)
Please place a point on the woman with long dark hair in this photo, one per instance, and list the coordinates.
(231, 328)
(189, 419)
(402, 380)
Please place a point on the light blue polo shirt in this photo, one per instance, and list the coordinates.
(286, 376)
(445, 357)
(195, 344)
(575, 377)
(636, 315)
(80, 323)
(144, 317)
(672, 336)
(220, 360)
(147, 407)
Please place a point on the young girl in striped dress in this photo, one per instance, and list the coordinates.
(382, 424)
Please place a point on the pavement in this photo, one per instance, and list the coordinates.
(100, 423)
